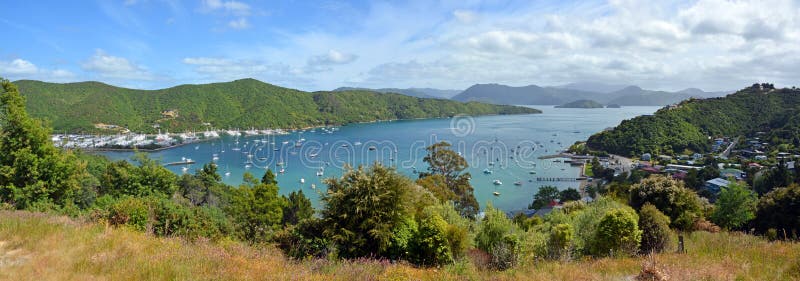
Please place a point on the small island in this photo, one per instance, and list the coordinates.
(613, 105)
(581, 104)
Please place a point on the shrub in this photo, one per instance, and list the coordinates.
(497, 236)
(682, 205)
(560, 240)
(430, 245)
(655, 230)
(617, 233)
(736, 206)
(778, 210)
(129, 211)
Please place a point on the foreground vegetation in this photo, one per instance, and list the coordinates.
(246, 103)
(35, 246)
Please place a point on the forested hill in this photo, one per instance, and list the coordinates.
(77, 107)
(689, 124)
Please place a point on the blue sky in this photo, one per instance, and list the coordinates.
(321, 45)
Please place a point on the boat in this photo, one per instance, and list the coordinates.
(313, 186)
(372, 148)
(247, 166)
(496, 193)
(227, 174)
(302, 180)
(487, 171)
(518, 183)
(357, 143)
(497, 182)
(320, 172)
(184, 169)
(532, 172)
(197, 147)
(282, 171)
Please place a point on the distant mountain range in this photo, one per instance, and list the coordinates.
(602, 93)
(414, 92)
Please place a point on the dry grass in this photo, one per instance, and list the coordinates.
(43, 247)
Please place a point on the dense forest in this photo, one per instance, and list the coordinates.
(246, 103)
(689, 124)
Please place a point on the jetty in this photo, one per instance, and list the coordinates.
(559, 179)
(184, 162)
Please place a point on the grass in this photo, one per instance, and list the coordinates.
(35, 246)
(587, 170)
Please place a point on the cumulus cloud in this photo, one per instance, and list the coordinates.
(226, 69)
(114, 67)
(324, 62)
(23, 69)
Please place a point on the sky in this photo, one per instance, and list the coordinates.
(322, 45)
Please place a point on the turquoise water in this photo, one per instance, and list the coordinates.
(512, 142)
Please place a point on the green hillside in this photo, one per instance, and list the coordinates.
(581, 104)
(77, 107)
(690, 124)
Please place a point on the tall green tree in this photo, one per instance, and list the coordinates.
(365, 208)
(269, 178)
(257, 209)
(671, 197)
(32, 170)
(735, 206)
(297, 208)
(447, 166)
(544, 196)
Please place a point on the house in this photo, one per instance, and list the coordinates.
(754, 165)
(652, 170)
(646, 157)
(731, 173)
(697, 156)
(665, 158)
(760, 157)
(715, 185)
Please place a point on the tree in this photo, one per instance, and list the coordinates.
(560, 239)
(773, 178)
(448, 166)
(655, 230)
(32, 170)
(778, 211)
(297, 208)
(148, 178)
(617, 233)
(364, 208)
(682, 205)
(736, 206)
(569, 194)
(257, 209)
(430, 245)
(269, 178)
(544, 196)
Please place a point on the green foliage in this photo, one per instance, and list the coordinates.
(569, 194)
(447, 181)
(32, 170)
(245, 103)
(617, 233)
(164, 217)
(148, 178)
(297, 208)
(257, 210)
(544, 196)
(735, 206)
(430, 245)
(304, 240)
(498, 237)
(581, 104)
(269, 178)
(364, 207)
(682, 205)
(561, 236)
(778, 210)
(772, 178)
(656, 234)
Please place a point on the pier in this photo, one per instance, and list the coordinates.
(185, 162)
(560, 179)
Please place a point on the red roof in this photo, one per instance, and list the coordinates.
(651, 170)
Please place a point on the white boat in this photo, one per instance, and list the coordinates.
(487, 171)
(517, 183)
(184, 169)
(496, 193)
(497, 182)
(302, 180)
(320, 172)
(532, 172)
(357, 143)
(282, 171)
(247, 166)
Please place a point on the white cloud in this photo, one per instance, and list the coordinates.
(465, 16)
(23, 69)
(225, 69)
(240, 23)
(233, 7)
(321, 63)
(113, 67)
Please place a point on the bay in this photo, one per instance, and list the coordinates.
(507, 145)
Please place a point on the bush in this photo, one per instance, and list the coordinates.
(778, 210)
(617, 233)
(129, 211)
(497, 236)
(656, 234)
(736, 206)
(682, 205)
(304, 240)
(430, 245)
(560, 240)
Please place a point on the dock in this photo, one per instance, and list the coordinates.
(560, 179)
(185, 162)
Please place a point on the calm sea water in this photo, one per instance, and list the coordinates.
(508, 146)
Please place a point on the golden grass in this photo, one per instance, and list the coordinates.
(36, 246)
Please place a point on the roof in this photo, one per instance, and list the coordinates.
(718, 182)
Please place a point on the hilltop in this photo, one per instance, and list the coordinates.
(414, 92)
(602, 93)
(688, 125)
(245, 103)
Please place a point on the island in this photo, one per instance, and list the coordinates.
(613, 105)
(581, 104)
